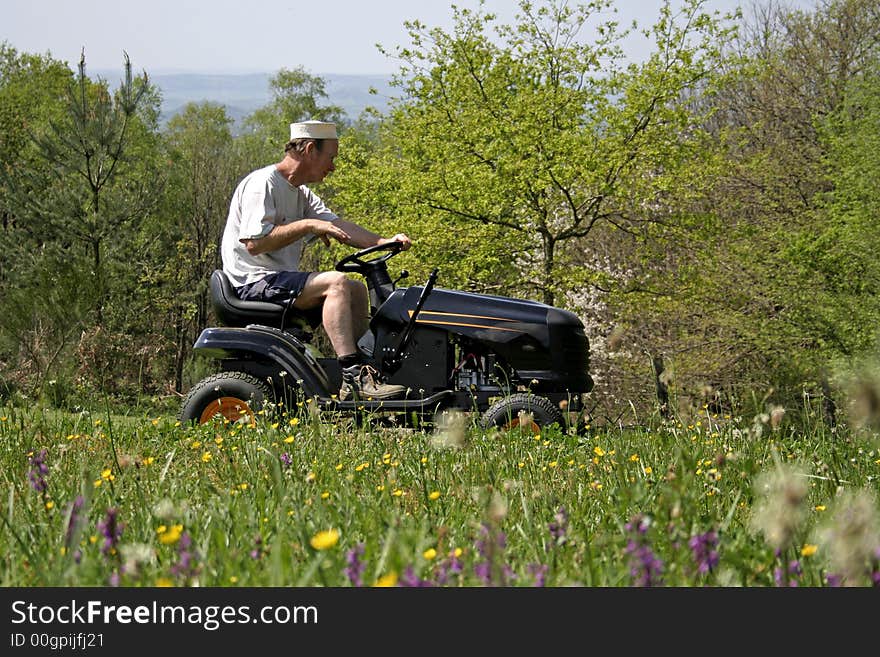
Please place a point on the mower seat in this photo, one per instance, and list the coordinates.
(232, 311)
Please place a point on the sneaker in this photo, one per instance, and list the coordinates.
(362, 382)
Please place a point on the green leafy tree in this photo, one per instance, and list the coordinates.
(776, 286)
(519, 145)
(192, 218)
(92, 175)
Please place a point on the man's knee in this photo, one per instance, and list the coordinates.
(356, 289)
(337, 283)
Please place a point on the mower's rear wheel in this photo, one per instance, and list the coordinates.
(523, 410)
(230, 396)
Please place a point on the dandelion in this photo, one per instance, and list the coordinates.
(354, 568)
(39, 470)
(450, 430)
(169, 536)
(809, 550)
(389, 579)
(111, 529)
(430, 554)
(851, 537)
(324, 540)
(434, 495)
(781, 509)
(703, 548)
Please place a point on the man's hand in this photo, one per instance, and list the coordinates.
(325, 230)
(400, 237)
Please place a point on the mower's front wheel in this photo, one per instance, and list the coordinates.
(529, 412)
(230, 396)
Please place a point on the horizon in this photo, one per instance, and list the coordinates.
(194, 37)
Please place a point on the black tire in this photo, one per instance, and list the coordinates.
(235, 396)
(505, 413)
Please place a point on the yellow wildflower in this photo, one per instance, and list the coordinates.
(387, 580)
(324, 540)
(171, 535)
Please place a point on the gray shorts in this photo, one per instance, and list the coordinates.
(281, 287)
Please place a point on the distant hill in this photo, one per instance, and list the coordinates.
(246, 92)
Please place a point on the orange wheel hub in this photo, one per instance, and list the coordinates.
(232, 409)
(527, 425)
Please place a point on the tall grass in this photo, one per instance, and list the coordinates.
(307, 499)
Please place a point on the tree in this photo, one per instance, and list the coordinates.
(201, 182)
(777, 285)
(527, 141)
(91, 175)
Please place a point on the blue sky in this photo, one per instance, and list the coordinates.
(238, 36)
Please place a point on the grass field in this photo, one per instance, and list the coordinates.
(303, 499)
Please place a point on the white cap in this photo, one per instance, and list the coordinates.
(313, 130)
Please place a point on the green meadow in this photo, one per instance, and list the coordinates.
(303, 498)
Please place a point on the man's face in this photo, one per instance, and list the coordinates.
(321, 161)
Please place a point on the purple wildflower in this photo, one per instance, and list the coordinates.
(286, 460)
(111, 530)
(354, 568)
(492, 570)
(38, 472)
(834, 581)
(644, 566)
(186, 567)
(875, 568)
(793, 571)
(447, 568)
(410, 579)
(638, 525)
(539, 572)
(703, 548)
(559, 526)
(257, 552)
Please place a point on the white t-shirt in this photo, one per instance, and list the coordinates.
(262, 200)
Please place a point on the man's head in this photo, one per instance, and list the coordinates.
(315, 145)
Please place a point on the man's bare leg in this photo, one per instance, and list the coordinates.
(345, 313)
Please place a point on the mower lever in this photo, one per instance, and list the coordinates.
(392, 362)
(403, 274)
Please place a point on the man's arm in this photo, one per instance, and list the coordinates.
(282, 235)
(363, 238)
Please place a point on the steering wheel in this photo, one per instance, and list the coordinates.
(354, 263)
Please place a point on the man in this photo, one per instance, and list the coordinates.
(273, 214)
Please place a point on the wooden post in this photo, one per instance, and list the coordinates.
(660, 386)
